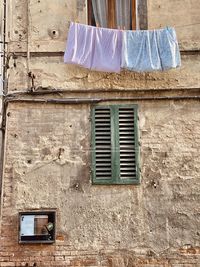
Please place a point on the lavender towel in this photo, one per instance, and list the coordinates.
(150, 50)
(94, 48)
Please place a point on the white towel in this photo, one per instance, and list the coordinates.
(94, 48)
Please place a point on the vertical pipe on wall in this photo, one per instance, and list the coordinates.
(28, 44)
(3, 107)
(4, 48)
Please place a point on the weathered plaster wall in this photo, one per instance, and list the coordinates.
(182, 14)
(43, 18)
(48, 166)
(47, 156)
(47, 34)
(46, 16)
(50, 71)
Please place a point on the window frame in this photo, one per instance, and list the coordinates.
(111, 13)
(34, 239)
(115, 155)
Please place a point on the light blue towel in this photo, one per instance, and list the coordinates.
(150, 50)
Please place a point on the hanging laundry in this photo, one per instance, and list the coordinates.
(94, 48)
(168, 48)
(150, 50)
(108, 50)
(80, 43)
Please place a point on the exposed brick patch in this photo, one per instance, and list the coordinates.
(105, 259)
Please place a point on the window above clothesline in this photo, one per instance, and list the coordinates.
(114, 14)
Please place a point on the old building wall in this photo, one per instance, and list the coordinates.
(160, 215)
(36, 28)
(48, 155)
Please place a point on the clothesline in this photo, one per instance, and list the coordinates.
(187, 25)
(180, 26)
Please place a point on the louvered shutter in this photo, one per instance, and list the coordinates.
(102, 162)
(128, 144)
(114, 145)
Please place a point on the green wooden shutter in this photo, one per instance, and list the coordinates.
(114, 145)
(101, 147)
(128, 144)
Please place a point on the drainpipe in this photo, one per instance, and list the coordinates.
(98, 100)
(4, 44)
(3, 108)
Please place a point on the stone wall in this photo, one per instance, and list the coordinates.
(48, 159)
(152, 224)
(45, 39)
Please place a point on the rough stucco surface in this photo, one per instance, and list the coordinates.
(45, 16)
(158, 215)
(47, 153)
(183, 15)
(50, 71)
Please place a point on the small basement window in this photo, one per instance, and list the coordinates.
(37, 227)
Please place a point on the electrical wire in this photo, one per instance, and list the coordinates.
(181, 26)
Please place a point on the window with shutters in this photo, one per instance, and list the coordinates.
(115, 147)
